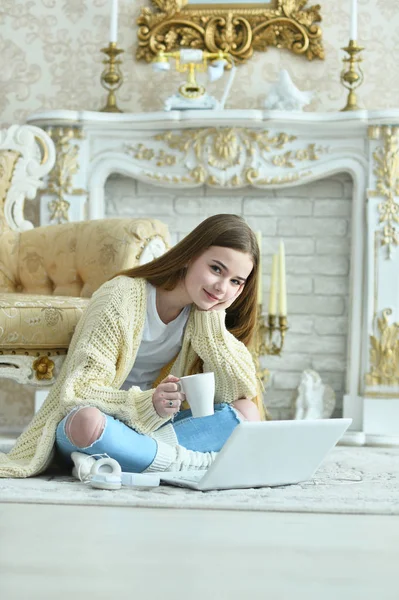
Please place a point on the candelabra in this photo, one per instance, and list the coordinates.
(352, 77)
(265, 341)
(111, 77)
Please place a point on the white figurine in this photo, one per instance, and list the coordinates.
(284, 95)
(315, 399)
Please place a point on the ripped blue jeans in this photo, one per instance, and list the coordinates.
(135, 451)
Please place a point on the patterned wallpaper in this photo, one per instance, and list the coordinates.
(51, 59)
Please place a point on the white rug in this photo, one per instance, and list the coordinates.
(352, 480)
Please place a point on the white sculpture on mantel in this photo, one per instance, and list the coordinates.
(315, 400)
(284, 95)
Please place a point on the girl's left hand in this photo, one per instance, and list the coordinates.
(227, 303)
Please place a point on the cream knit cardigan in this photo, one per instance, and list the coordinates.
(102, 353)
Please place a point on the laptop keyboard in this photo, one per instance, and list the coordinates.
(191, 476)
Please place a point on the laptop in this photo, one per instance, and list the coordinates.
(266, 454)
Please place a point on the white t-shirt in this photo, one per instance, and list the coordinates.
(159, 344)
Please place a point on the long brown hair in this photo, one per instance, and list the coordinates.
(227, 231)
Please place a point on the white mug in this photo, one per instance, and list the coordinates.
(200, 393)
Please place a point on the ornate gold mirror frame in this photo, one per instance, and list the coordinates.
(237, 28)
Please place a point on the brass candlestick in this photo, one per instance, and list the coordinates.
(111, 77)
(265, 340)
(353, 77)
(270, 347)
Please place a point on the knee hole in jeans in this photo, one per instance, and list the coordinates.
(247, 409)
(85, 426)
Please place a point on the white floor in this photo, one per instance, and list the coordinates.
(81, 552)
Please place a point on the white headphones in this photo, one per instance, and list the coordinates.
(106, 474)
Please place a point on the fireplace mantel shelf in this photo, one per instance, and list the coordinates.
(225, 115)
(234, 149)
(360, 119)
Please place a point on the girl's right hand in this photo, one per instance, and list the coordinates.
(167, 397)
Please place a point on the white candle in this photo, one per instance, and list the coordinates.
(283, 286)
(260, 294)
(273, 287)
(353, 30)
(113, 30)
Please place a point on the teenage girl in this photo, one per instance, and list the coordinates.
(192, 310)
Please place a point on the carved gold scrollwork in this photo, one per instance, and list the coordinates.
(60, 178)
(289, 158)
(384, 353)
(236, 29)
(386, 170)
(140, 152)
(225, 157)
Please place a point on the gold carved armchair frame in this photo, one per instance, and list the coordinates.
(236, 28)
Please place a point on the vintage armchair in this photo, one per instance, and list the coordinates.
(47, 274)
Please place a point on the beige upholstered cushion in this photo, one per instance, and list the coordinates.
(74, 259)
(47, 274)
(38, 321)
(9, 248)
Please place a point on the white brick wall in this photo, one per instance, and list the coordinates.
(314, 221)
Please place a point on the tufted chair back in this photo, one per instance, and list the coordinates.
(74, 259)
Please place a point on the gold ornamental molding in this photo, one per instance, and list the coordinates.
(384, 353)
(236, 28)
(31, 351)
(43, 368)
(223, 157)
(60, 178)
(386, 170)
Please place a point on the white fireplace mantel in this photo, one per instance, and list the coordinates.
(233, 149)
